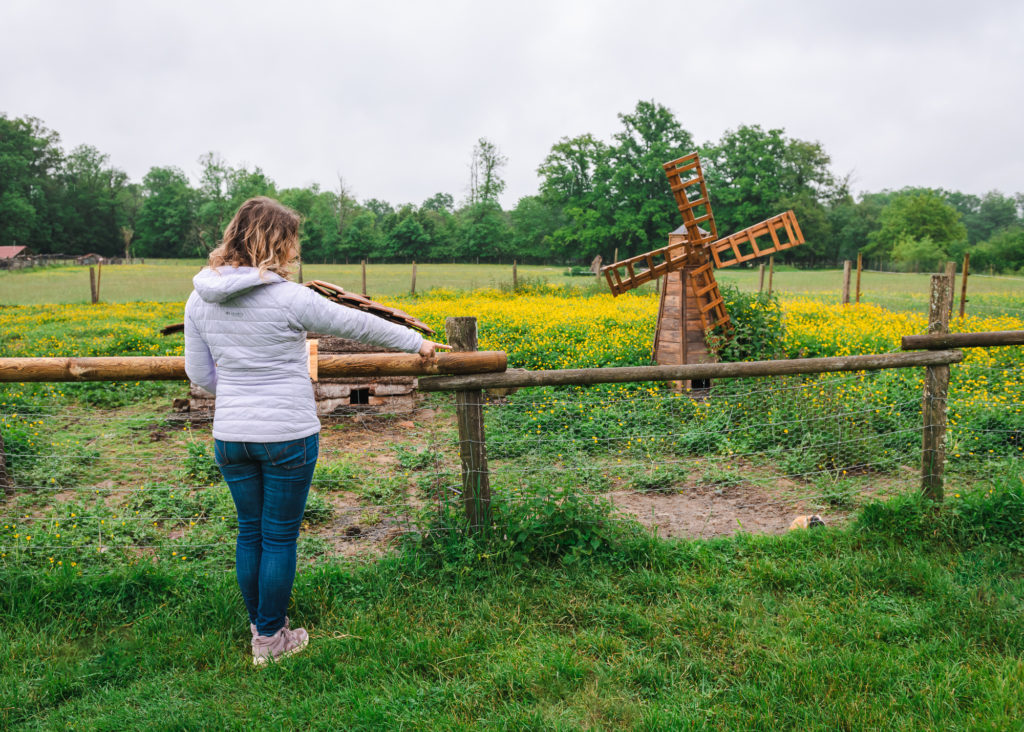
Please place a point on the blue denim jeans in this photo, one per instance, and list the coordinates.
(269, 483)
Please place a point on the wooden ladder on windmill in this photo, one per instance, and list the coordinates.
(691, 303)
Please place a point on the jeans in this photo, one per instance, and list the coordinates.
(269, 483)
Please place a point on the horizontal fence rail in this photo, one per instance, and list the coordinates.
(698, 371)
(963, 340)
(172, 368)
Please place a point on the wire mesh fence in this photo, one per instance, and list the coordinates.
(99, 488)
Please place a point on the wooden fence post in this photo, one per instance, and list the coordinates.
(860, 258)
(771, 272)
(963, 284)
(94, 296)
(413, 277)
(5, 479)
(476, 486)
(951, 276)
(936, 389)
(363, 262)
(300, 272)
(515, 276)
(760, 285)
(846, 281)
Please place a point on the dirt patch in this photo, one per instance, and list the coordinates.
(703, 512)
(357, 529)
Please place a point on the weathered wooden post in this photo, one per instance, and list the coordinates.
(469, 412)
(300, 272)
(5, 479)
(860, 258)
(847, 265)
(963, 283)
(951, 276)
(936, 389)
(413, 289)
(363, 262)
(515, 276)
(760, 284)
(771, 272)
(93, 295)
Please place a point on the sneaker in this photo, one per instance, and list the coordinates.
(252, 626)
(284, 642)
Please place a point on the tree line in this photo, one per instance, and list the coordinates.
(595, 197)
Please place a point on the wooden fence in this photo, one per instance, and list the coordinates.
(467, 372)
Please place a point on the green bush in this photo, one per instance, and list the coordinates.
(757, 332)
(991, 513)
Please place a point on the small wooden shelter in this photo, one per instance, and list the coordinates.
(335, 396)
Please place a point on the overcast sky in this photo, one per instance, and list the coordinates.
(393, 95)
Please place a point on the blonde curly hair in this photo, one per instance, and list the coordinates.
(264, 233)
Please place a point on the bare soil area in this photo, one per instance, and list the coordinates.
(704, 512)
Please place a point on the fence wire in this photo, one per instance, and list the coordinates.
(98, 488)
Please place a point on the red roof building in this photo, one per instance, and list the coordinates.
(10, 252)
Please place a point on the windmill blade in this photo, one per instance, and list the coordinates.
(686, 179)
(624, 275)
(783, 233)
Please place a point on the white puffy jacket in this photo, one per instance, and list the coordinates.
(245, 341)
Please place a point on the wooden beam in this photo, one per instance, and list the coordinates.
(522, 377)
(172, 368)
(963, 340)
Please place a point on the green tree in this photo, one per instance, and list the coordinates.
(753, 174)
(167, 225)
(568, 185)
(534, 222)
(1004, 252)
(917, 255)
(362, 236)
(30, 157)
(916, 214)
(485, 181)
(484, 232)
(88, 213)
(852, 223)
(407, 240)
(643, 210)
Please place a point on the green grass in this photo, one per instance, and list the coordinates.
(821, 629)
(171, 281)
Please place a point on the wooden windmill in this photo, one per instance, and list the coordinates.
(691, 303)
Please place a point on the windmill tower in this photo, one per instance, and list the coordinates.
(691, 303)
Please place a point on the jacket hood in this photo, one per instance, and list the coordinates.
(224, 283)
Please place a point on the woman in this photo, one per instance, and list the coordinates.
(245, 342)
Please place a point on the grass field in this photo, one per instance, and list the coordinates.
(118, 608)
(171, 281)
(830, 630)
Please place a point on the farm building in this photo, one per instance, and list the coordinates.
(335, 396)
(13, 257)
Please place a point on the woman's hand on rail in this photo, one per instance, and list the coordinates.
(428, 348)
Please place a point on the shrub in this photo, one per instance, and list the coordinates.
(985, 514)
(757, 329)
